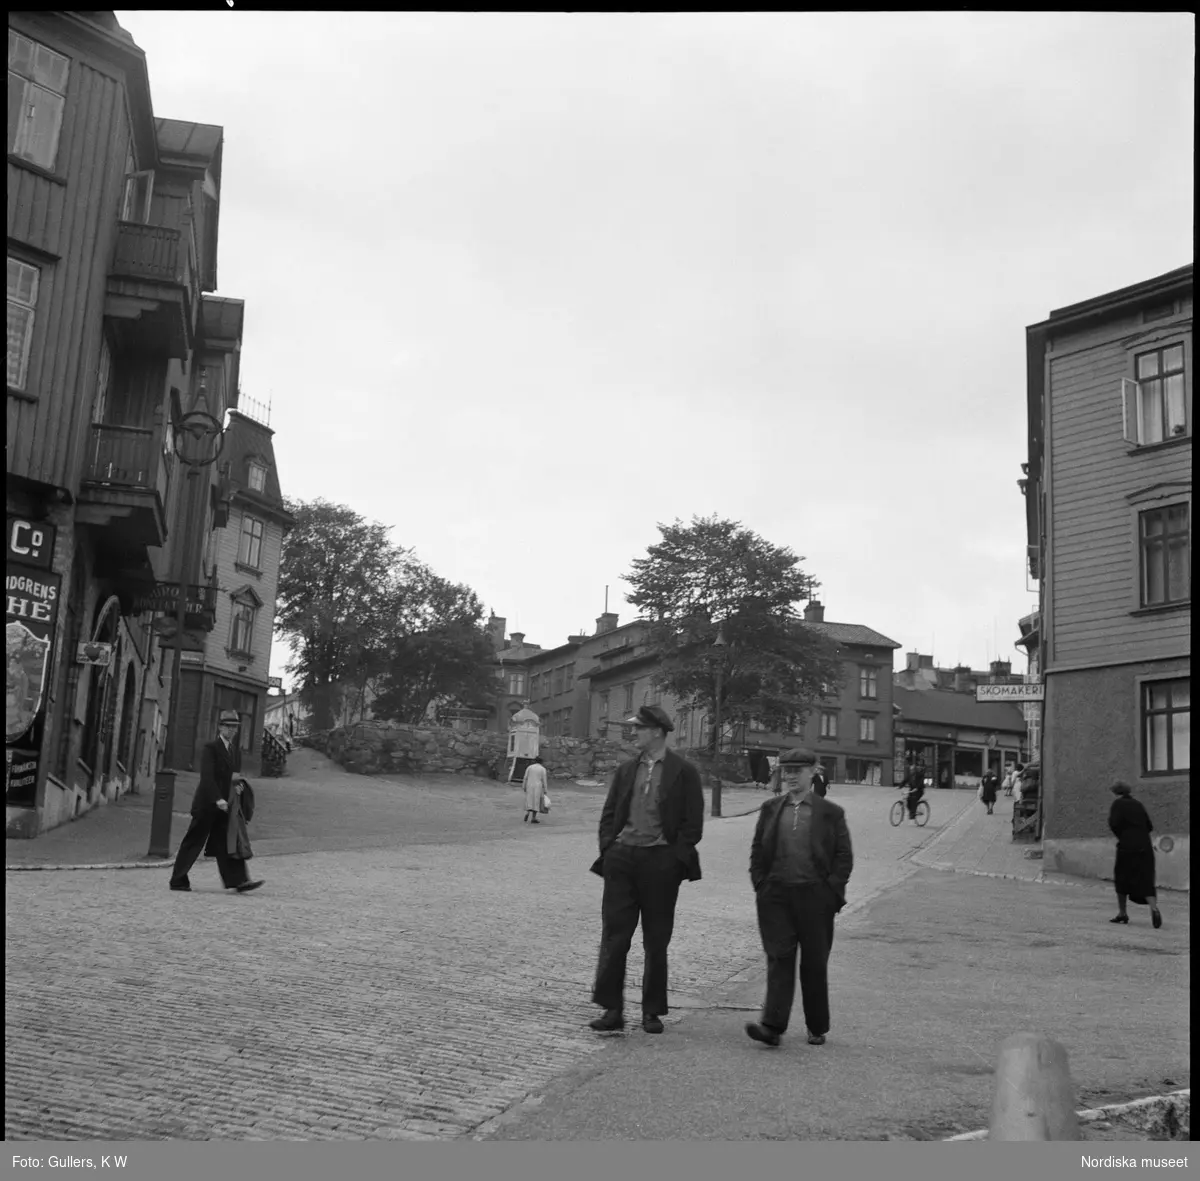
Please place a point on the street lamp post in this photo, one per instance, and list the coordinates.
(718, 649)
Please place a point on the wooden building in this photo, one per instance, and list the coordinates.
(1108, 490)
(112, 238)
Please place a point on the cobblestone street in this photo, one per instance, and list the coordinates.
(407, 992)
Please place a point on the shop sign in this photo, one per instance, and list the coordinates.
(1029, 691)
(30, 543)
(31, 616)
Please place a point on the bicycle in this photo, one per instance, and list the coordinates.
(900, 810)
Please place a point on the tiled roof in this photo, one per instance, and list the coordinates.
(941, 707)
(852, 633)
(246, 439)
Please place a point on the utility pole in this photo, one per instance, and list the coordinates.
(719, 649)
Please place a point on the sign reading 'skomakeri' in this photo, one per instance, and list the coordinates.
(31, 615)
(1029, 691)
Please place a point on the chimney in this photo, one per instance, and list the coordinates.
(912, 661)
(925, 662)
(496, 625)
(1000, 670)
(962, 678)
(606, 622)
(517, 640)
(576, 639)
(814, 612)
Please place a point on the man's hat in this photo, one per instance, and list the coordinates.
(651, 715)
(231, 716)
(798, 756)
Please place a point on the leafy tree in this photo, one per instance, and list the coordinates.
(338, 576)
(439, 652)
(712, 578)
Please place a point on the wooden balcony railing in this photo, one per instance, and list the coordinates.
(150, 252)
(126, 457)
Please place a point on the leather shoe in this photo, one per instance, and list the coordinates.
(816, 1039)
(246, 887)
(181, 886)
(760, 1033)
(652, 1023)
(612, 1020)
(1156, 919)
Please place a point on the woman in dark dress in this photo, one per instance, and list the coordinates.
(1133, 871)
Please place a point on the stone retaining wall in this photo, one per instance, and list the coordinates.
(382, 748)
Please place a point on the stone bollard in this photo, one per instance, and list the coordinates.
(1034, 1098)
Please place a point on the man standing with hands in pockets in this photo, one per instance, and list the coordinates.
(209, 830)
(800, 862)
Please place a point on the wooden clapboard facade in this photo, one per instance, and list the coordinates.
(113, 337)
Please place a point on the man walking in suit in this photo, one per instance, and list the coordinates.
(209, 829)
(800, 862)
(652, 821)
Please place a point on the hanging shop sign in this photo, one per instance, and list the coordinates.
(31, 616)
(30, 543)
(92, 652)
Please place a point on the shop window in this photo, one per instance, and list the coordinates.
(1166, 726)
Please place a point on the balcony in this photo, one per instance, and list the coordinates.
(124, 488)
(199, 609)
(152, 288)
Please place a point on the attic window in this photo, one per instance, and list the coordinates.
(258, 476)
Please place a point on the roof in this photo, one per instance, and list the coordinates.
(246, 439)
(222, 318)
(197, 143)
(945, 708)
(852, 633)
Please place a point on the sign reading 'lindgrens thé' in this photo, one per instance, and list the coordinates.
(1030, 691)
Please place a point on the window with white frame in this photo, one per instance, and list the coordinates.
(535, 684)
(868, 683)
(516, 684)
(23, 283)
(866, 728)
(1164, 546)
(258, 476)
(829, 724)
(1154, 403)
(250, 543)
(1166, 726)
(37, 87)
(139, 189)
(241, 631)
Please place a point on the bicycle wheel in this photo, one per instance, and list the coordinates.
(896, 816)
(922, 816)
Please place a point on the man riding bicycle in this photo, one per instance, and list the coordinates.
(915, 782)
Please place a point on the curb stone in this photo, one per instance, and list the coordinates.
(1156, 1113)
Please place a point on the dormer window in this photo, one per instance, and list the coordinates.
(258, 476)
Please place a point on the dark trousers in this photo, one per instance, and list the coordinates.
(791, 919)
(232, 869)
(638, 883)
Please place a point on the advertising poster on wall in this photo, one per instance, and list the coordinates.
(31, 616)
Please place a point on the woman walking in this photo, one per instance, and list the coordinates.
(1133, 870)
(535, 788)
(987, 790)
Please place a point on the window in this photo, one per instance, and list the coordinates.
(250, 543)
(139, 187)
(756, 726)
(863, 771)
(516, 684)
(868, 683)
(568, 676)
(1164, 545)
(866, 728)
(23, 281)
(604, 706)
(258, 476)
(1154, 404)
(558, 681)
(566, 721)
(629, 699)
(103, 375)
(830, 763)
(242, 630)
(245, 705)
(829, 725)
(535, 684)
(37, 84)
(1166, 726)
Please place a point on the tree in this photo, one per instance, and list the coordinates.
(441, 652)
(338, 577)
(712, 578)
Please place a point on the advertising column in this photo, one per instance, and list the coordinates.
(32, 593)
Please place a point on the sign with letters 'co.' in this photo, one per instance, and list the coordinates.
(1029, 691)
(31, 615)
(30, 542)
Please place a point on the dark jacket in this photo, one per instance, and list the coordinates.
(831, 851)
(217, 767)
(820, 785)
(1130, 824)
(681, 811)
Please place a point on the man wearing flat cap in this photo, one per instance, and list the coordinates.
(218, 802)
(800, 862)
(652, 821)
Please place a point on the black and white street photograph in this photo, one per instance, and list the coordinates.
(594, 580)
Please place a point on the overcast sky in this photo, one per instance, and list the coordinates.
(523, 286)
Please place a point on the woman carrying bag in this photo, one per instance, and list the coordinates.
(1133, 870)
(535, 791)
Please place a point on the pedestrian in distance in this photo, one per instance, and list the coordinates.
(535, 790)
(800, 862)
(987, 789)
(652, 821)
(1010, 779)
(1133, 870)
(820, 781)
(220, 809)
